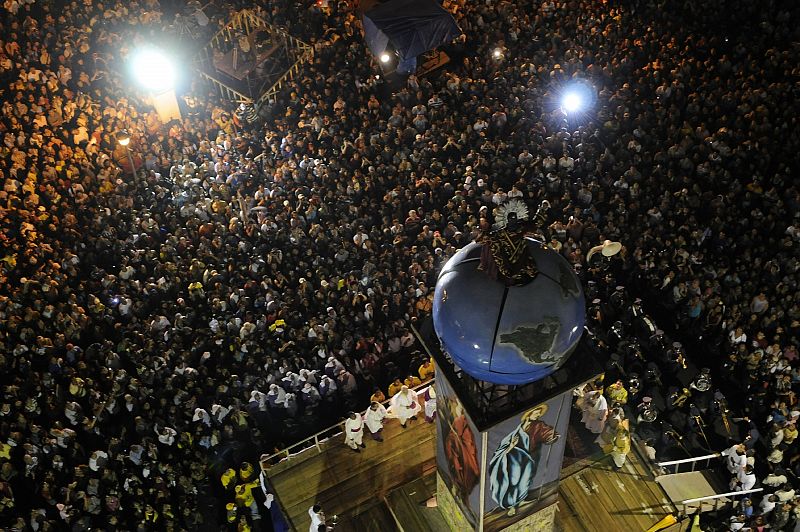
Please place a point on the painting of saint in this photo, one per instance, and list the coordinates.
(517, 459)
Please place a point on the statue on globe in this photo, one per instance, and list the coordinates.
(505, 254)
(530, 310)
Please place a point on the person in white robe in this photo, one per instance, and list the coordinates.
(594, 411)
(429, 398)
(373, 418)
(354, 431)
(404, 405)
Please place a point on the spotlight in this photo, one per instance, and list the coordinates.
(576, 98)
(385, 58)
(153, 70)
(497, 53)
(572, 102)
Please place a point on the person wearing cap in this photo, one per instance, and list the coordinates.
(354, 431)
(405, 405)
(373, 418)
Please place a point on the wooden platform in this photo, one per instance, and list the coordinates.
(597, 498)
(383, 488)
(352, 484)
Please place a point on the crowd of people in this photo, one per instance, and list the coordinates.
(248, 285)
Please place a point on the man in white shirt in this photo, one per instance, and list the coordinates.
(735, 458)
(767, 503)
(745, 479)
(373, 418)
(354, 431)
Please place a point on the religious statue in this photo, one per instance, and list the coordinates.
(505, 256)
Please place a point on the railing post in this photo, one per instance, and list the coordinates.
(316, 443)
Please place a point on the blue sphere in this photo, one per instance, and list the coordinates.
(508, 334)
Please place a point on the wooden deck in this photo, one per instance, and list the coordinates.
(353, 484)
(388, 482)
(597, 498)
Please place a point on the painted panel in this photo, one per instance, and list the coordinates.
(524, 462)
(458, 451)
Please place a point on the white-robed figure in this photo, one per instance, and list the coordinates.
(354, 431)
(429, 397)
(373, 418)
(404, 405)
(594, 411)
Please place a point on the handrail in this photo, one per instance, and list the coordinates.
(720, 495)
(315, 437)
(687, 460)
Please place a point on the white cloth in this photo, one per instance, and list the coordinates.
(774, 480)
(594, 411)
(404, 405)
(354, 431)
(374, 418)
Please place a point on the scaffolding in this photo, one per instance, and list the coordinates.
(250, 61)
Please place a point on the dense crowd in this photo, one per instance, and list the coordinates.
(251, 284)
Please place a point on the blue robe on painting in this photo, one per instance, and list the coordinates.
(513, 468)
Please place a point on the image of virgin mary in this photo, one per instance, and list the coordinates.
(516, 460)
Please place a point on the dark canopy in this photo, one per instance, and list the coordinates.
(411, 27)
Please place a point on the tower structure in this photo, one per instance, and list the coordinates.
(509, 315)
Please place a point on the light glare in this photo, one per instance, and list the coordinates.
(572, 102)
(153, 70)
(385, 57)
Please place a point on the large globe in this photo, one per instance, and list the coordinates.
(508, 334)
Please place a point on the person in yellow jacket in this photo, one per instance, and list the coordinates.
(228, 479)
(426, 370)
(377, 396)
(395, 387)
(620, 445)
(231, 512)
(244, 497)
(412, 381)
(616, 393)
(246, 471)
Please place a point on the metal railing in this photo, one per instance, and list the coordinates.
(697, 503)
(226, 91)
(693, 461)
(315, 441)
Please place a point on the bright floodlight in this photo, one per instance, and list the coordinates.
(572, 102)
(497, 53)
(385, 57)
(153, 70)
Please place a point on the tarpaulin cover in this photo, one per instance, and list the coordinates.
(412, 27)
